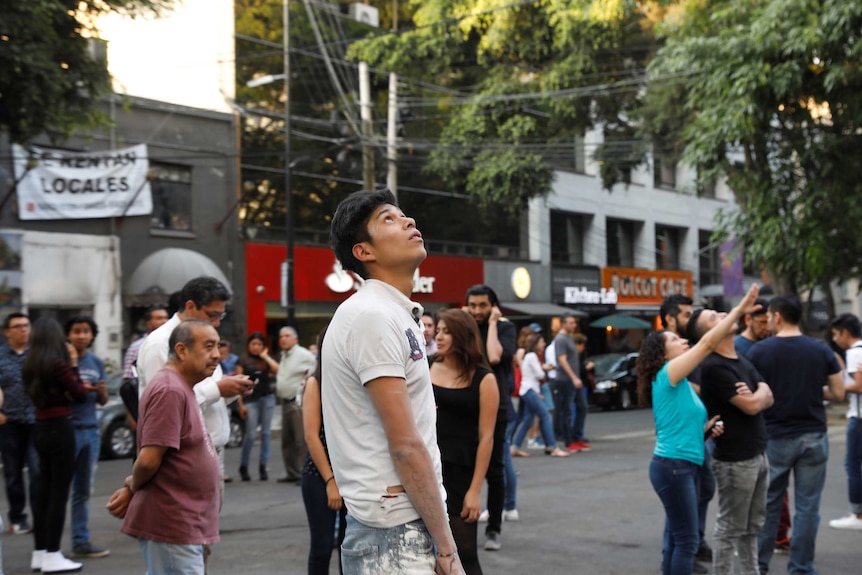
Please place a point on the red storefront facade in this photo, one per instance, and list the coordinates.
(320, 284)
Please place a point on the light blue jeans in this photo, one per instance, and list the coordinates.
(535, 406)
(87, 446)
(742, 489)
(171, 559)
(259, 413)
(806, 457)
(405, 549)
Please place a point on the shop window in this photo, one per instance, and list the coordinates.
(620, 243)
(172, 197)
(668, 241)
(567, 237)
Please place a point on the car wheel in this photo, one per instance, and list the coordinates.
(119, 440)
(625, 399)
(237, 432)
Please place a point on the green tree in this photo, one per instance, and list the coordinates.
(771, 101)
(523, 79)
(49, 79)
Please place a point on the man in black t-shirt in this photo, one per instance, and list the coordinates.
(731, 387)
(801, 371)
(498, 338)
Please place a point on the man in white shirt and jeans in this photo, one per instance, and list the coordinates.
(847, 334)
(378, 404)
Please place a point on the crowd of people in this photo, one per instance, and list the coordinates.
(398, 418)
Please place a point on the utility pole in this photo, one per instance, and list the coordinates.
(392, 119)
(367, 131)
(289, 302)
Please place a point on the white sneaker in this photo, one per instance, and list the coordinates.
(850, 521)
(36, 560)
(483, 517)
(511, 515)
(54, 562)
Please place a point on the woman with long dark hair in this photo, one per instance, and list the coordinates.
(257, 408)
(50, 376)
(467, 398)
(323, 503)
(664, 363)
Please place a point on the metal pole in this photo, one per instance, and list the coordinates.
(367, 133)
(391, 136)
(288, 193)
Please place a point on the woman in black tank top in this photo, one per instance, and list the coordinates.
(467, 398)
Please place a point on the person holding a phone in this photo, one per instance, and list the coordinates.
(257, 408)
(664, 362)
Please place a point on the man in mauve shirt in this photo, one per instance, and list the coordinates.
(171, 500)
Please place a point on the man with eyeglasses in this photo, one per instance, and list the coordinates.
(16, 423)
(204, 299)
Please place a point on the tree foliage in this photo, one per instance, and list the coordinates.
(523, 80)
(771, 100)
(49, 79)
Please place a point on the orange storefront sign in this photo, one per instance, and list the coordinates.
(645, 287)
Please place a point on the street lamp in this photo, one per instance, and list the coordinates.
(290, 304)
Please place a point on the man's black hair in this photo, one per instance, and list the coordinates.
(670, 306)
(350, 226)
(148, 315)
(14, 315)
(203, 291)
(482, 289)
(788, 306)
(849, 322)
(692, 332)
(67, 328)
(764, 307)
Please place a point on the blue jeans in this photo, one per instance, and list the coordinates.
(510, 478)
(171, 559)
(806, 457)
(17, 450)
(853, 464)
(321, 524)
(580, 418)
(259, 413)
(405, 549)
(675, 482)
(87, 445)
(564, 395)
(535, 406)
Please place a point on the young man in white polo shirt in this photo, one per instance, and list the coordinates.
(378, 405)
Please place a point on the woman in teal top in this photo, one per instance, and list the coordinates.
(664, 363)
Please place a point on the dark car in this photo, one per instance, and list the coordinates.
(118, 440)
(616, 380)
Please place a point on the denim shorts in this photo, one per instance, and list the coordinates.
(406, 549)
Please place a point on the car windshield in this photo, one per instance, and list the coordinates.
(609, 363)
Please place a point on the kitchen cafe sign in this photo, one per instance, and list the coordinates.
(645, 287)
(59, 185)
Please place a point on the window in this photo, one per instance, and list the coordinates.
(620, 243)
(172, 197)
(668, 241)
(567, 237)
(664, 173)
(709, 259)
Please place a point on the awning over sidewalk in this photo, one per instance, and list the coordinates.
(529, 309)
(166, 271)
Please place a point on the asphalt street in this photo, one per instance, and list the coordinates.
(592, 513)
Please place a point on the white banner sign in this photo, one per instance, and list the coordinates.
(64, 185)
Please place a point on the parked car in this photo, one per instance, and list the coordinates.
(118, 440)
(616, 380)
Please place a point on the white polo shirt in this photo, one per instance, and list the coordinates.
(375, 333)
(853, 358)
